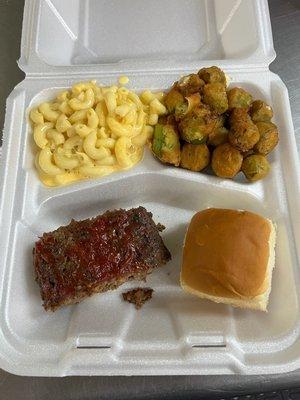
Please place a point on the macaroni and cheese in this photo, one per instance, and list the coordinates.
(92, 131)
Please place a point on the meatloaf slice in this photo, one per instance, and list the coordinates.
(95, 255)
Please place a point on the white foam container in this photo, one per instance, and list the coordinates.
(175, 333)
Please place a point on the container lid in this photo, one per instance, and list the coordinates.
(83, 36)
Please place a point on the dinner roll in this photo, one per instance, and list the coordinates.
(228, 257)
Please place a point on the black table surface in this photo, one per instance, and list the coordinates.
(285, 17)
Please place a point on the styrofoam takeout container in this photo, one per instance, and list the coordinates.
(153, 42)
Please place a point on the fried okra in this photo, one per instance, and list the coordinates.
(178, 104)
(243, 133)
(194, 156)
(226, 161)
(214, 95)
(206, 117)
(255, 167)
(260, 111)
(218, 136)
(167, 119)
(268, 139)
(197, 125)
(173, 99)
(212, 75)
(190, 84)
(238, 98)
(237, 115)
(189, 103)
(166, 145)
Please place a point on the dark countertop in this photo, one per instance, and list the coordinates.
(285, 16)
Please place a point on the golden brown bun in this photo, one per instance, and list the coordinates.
(228, 257)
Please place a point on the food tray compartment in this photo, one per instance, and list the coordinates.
(148, 35)
(174, 333)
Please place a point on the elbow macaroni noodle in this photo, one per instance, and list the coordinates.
(92, 131)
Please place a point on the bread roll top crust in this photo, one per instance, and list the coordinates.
(226, 253)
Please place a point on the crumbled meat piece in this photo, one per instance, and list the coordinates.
(138, 296)
(160, 227)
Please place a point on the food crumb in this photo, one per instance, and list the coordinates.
(123, 80)
(138, 296)
(160, 227)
